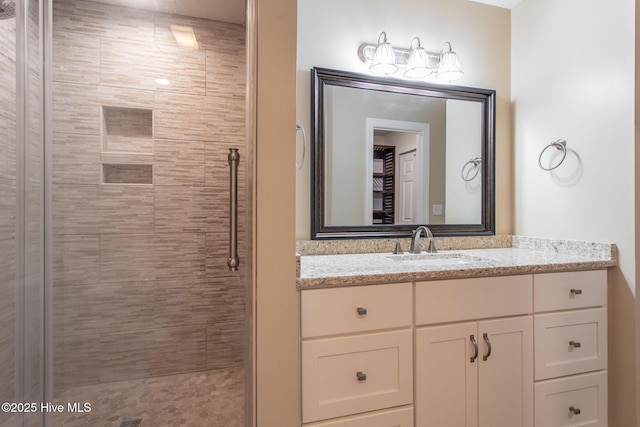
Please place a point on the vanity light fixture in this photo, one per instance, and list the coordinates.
(449, 67)
(416, 61)
(384, 58)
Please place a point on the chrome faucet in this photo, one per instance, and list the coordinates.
(415, 240)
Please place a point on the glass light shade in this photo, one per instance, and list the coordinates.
(384, 59)
(450, 67)
(418, 64)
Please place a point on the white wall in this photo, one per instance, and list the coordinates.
(573, 78)
(463, 198)
(330, 31)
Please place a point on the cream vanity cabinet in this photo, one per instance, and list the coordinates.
(357, 356)
(506, 351)
(474, 352)
(570, 349)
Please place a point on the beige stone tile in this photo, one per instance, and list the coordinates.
(138, 65)
(179, 163)
(76, 361)
(152, 352)
(217, 170)
(125, 306)
(226, 74)
(75, 209)
(7, 210)
(211, 35)
(7, 325)
(76, 58)
(188, 209)
(180, 255)
(197, 118)
(127, 258)
(76, 309)
(127, 130)
(104, 20)
(94, 209)
(127, 174)
(76, 259)
(76, 159)
(126, 354)
(226, 344)
(77, 107)
(181, 302)
(181, 348)
(218, 254)
(126, 208)
(7, 147)
(151, 257)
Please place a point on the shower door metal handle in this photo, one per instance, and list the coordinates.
(234, 158)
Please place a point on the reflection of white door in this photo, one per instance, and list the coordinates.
(407, 186)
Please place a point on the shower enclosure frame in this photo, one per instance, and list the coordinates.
(24, 172)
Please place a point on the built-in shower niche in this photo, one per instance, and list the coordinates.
(127, 145)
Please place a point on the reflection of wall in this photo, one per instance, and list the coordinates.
(463, 198)
(330, 31)
(588, 100)
(347, 137)
(141, 286)
(7, 213)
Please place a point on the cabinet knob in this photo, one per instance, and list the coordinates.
(361, 376)
(576, 291)
(575, 410)
(575, 344)
(362, 311)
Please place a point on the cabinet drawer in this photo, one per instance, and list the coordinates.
(566, 291)
(402, 417)
(349, 375)
(455, 300)
(586, 394)
(355, 309)
(555, 355)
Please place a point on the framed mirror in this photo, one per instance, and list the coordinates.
(389, 155)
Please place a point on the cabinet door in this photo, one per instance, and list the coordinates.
(446, 378)
(506, 376)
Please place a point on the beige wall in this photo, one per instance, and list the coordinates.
(587, 99)
(7, 213)
(141, 286)
(329, 33)
(276, 316)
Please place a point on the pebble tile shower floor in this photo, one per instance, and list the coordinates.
(206, 399)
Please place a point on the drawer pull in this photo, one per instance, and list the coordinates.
(576, 291)
(575, 410)
(575, 344)
(362, 311)
(472, 338)
(485, 336)
(361, 376)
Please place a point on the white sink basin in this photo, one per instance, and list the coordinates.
(426, 258)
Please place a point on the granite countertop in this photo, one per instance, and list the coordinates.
(523, 256)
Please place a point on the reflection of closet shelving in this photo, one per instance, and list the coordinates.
(383, 184)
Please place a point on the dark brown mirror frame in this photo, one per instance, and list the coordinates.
(321, 77)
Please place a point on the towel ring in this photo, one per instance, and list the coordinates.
(473, 164)
(304, 145)
(559, 144)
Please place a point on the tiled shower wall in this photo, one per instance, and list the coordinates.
(141, 286)
(7, 212)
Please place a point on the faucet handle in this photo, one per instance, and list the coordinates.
(398, 250)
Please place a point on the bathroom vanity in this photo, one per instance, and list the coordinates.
(502, 337)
